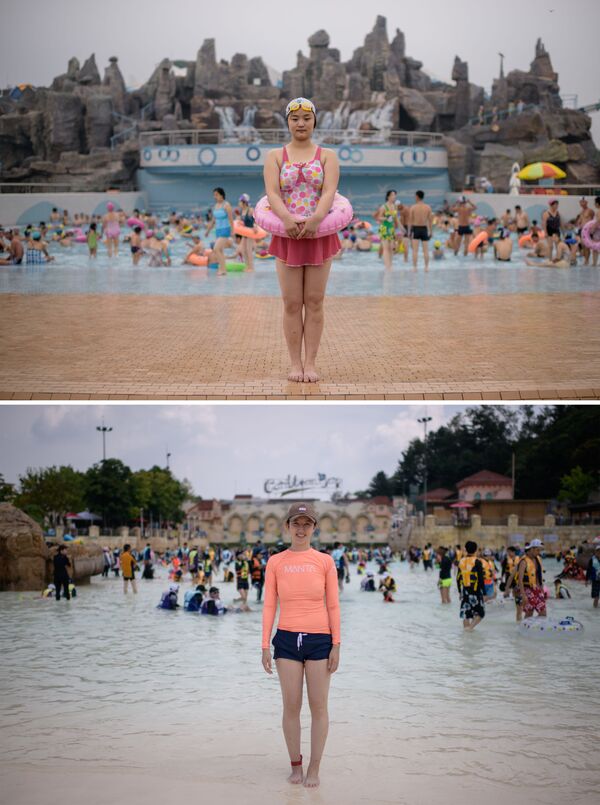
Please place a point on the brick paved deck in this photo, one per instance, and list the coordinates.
(531, 346)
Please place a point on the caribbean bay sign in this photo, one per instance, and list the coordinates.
(292, 484)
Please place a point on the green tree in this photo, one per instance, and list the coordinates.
(577, 485)
(160, 494)
(7, 491)
(49, 493)
(110, 492)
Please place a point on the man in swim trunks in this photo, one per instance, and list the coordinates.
(530, 581)
(542, 247)
(503, 247)
(521, 220)
(469, 580)
(128, 566)
(15, 248)
(464, 209)
(421, 221)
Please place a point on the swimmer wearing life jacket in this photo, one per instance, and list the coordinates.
(489, 575)
(530, 581)
(387, 587)
(168, 599)
(469, 580)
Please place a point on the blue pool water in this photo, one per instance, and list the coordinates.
(356, 274)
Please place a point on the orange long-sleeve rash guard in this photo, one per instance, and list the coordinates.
(306, 584)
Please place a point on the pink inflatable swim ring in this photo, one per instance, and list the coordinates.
(590, 235)
(80, 236)
(338, 217)
(135, 222)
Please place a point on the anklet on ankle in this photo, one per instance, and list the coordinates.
(297, 762)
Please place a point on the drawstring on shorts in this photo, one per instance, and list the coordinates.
(299, 640)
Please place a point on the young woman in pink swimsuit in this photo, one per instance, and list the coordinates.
(301, 179)
(307, 641)
(111, 230)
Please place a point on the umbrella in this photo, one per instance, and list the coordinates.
(461, 505)
(541, 170)
(88, 516)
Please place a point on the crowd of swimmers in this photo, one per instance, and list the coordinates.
(399, 229)
(481, 575)
(404, 229)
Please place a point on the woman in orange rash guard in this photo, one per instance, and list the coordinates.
(307, 641)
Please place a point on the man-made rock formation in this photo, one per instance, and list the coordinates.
(23, 552)
(26, 561)
(379, 87)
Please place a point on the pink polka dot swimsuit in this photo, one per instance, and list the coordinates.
(301, 184)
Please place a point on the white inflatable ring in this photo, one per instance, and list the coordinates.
(544, 627)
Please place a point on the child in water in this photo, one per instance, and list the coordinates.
(213, 604)
(387, 587)
(438, 250)
(169, 598)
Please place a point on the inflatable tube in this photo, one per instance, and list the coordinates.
(590, 235)
(361, 224)
(230, 266)
(546, 627)
(80, 238)
(135, 222)
(248, 232)
(197, 260)
(525, 240)
(477, 241)
(338, 217)
(264, 256)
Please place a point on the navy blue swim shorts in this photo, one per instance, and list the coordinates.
(301, 646)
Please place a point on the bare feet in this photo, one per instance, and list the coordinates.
(312, 776)
(310, 375)
(296, 374)
(297, 776)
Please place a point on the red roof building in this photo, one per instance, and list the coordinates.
(485, 485)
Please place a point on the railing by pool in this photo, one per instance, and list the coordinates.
(279, 136)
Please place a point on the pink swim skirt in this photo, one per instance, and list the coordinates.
(305, 252)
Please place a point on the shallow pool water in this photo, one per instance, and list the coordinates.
(356, 274)
(107, 693)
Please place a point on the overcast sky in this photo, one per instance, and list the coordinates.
(36, 40)
(223, 449)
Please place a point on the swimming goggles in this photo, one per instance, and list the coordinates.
(300, 103)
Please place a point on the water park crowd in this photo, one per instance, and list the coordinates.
(228, 238)
(481, 575)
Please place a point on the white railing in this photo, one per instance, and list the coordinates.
(277, 136)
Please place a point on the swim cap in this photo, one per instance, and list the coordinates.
(159, 235)
(244, 197)
(437, 243)
(36, 236)
(300, 103)
(174, 588)
(110, 206)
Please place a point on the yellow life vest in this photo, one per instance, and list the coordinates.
(530, 576)
(488, 571)
(468, 576)
(458, 556)
(511, 563)
(426, 554)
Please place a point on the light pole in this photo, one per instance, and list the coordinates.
(103, 430)
(168, 457)
(424, 420)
